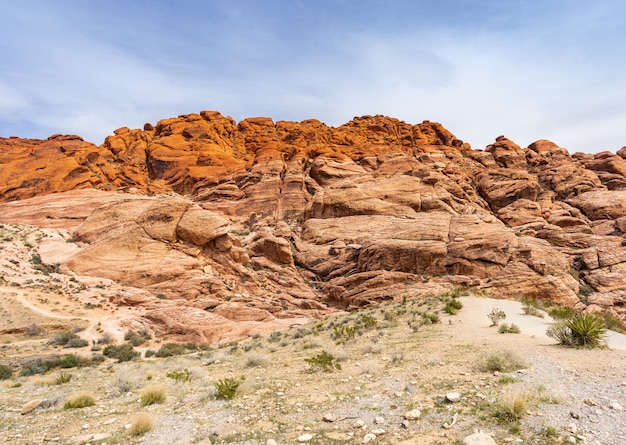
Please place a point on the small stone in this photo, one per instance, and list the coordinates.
(379, 420)
(616, 406)
(359, 423)
(590, 402)
(404, 425)
(328, 417)
(378, 431)
(369, 437)
(453, 397)
(572, 428)
(574, 415)
(479, 439)
(410, 388)
(414, 414)
(270, 442)
(581, 438)
(571, 439)
(86, 426)
(305, 438)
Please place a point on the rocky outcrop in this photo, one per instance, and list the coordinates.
(258, 222)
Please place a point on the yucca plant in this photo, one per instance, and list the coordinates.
(582, 330)
(587, 330)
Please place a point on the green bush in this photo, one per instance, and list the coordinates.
(171, 349)
(62, 377)
(531, 307)
(581, 331)
(69, 361)
(496, 316)
(227, 387)
(180, 376)
(123, 353)
(76, 342)
(502, 361)
(561, 312)
(79, 401)
(136, 339)
(453, 306)
(323, 361)
(506, 328)
(39, 365)
(6, 372)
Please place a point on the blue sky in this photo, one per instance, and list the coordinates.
(533, 69)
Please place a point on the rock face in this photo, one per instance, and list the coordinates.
(264, 224)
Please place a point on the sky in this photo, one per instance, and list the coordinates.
(525, 69)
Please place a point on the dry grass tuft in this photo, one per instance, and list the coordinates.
(142, 424)
(153, 394)
(81, 400)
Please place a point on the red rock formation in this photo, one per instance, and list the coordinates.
(268, 221)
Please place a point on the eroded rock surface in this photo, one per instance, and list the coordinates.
(263, 223)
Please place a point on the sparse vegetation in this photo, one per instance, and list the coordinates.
(6, 372)
(496, 316)
(323, 361)
(453, 306)
(531, 307)
(502, 361)
(79, 401)
(152, 394)
(142, 424)
(506, 328)
(180, 376)
(62, 377)
(226, 388)
(170, 350)
(122, 353)
(136, 339)
(581, 331)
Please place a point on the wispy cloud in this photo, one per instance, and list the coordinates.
(526, 69)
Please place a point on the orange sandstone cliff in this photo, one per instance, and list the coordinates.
(224, 229)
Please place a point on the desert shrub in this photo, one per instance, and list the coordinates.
(33, 330)
(135, 338)
(531, 307)
(141, 425)
(583, 330)
(76, 342)
(61, 338)
(502, 361)
(561, 312)
(39, 365)
(453, 306)
(323, 361)
(79, 401)
(255, 360)
(513, 405)
(62, 377)
(171, 349)
(69, 361)
(149, 353)
(180, 376)
(6, 372)
(122, 353)
(430, 318)
(152, 395)
(506, 328)
(613, 323)
(496, 316)
(227, 387)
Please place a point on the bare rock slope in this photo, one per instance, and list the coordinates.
(264, 224)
